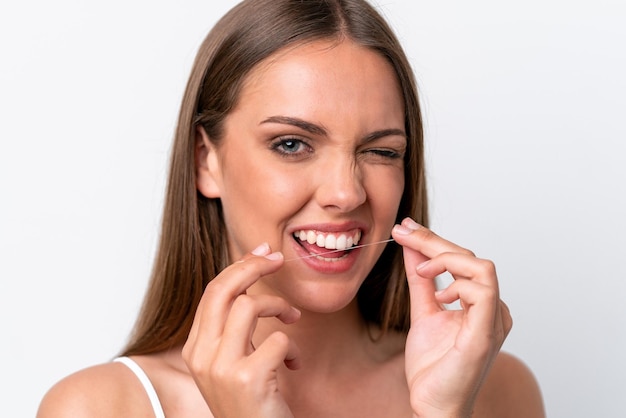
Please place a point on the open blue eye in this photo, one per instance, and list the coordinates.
(291, 147)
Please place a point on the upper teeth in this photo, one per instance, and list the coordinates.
(329, 241)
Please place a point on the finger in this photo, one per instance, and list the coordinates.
(503, 323)
(461, 266)
(419, 245)
(234, 280)
(465, 267)
(260, 262)
(421, 290)
(411, 234)
(262, 250)
(242, 319)
(277, 349)
(481, 306)
(507, 319)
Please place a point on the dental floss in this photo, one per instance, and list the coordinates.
(336, 251)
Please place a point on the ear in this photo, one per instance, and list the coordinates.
(208, 179)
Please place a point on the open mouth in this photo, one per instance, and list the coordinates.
(327, 246)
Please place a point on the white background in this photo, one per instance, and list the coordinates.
(524, 105)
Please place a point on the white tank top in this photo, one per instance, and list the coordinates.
(145, 382)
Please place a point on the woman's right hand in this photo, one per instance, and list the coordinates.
(236, 378)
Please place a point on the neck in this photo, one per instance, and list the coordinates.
(324, 340)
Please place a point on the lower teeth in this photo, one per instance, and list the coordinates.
(330, 259)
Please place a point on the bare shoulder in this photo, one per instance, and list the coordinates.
(510, 391)
(106, 390)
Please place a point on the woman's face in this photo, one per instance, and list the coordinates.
(311, 160)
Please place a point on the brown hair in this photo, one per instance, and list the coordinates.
(193, 242)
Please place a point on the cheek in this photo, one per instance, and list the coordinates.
(260, 190)
(385, 192)
(256, 201)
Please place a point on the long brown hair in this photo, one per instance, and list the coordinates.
(193, 242)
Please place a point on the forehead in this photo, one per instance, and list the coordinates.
(324, 73)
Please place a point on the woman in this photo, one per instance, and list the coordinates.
(297, 154)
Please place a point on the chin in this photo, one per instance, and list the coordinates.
(325, 298)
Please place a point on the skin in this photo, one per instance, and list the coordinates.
(329, 177)
(276, 338)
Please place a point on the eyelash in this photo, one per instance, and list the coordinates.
(279, 144)
(385, 153)
(304, 149)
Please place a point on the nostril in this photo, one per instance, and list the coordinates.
(344, 194)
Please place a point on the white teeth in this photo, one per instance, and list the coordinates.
(341, 243)
(330, 259)
(329, 241)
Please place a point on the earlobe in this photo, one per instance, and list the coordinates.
(207, 165)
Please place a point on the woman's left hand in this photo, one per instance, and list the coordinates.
(449, 352)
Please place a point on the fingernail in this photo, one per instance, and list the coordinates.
(262, 249)
(402, 230)
(275, 256)
(422, 265)
(411, 224)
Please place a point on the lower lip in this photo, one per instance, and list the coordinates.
(339, 265)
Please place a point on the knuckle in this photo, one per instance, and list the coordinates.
(486, 267)
(215, 288)
(280, 338)
(244, 267)
(244, 303)
(249, 267)
(426, 234)
(467, 252)
(243, 300)
(449, 255)
(490, 294)
(244, 376)
(218, 371)
(197, 365)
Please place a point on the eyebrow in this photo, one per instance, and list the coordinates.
(298, 123)
(383, 133)
(319, 130)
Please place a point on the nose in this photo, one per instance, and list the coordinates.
(341, 185)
